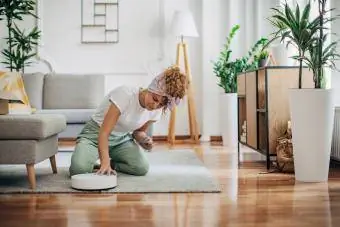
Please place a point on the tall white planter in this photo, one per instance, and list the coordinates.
(228, 119)
(312, 116)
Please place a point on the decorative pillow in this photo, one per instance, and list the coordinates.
(12, 88)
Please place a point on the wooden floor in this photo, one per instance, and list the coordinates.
(249, 198)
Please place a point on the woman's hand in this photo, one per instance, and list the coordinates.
(147, 143)
(109, 122)
(106, 169)
(143, 140)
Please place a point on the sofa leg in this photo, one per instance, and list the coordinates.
(31, 175)
(53, 164)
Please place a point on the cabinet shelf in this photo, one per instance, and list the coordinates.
(263, 105)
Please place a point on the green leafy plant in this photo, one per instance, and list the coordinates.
(294, 28)
(227, 70)
(257, 49)
(263, 55)
(308, 37)
(221, 67)
(321, 56)
(20, 45)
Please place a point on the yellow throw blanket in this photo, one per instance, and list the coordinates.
(12, 89)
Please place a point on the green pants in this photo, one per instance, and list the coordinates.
(127, 156)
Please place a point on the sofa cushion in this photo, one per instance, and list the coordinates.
(34, 126)
(34, 83)
(27, 151)
(73, 116)
(72, 91)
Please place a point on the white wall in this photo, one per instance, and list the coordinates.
(335, 74)
(145, 47)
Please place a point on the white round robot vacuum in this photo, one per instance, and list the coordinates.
(93, 181)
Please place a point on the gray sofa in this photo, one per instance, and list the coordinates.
(63, 102)
(73, 95)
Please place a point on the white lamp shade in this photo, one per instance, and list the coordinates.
(183, 24)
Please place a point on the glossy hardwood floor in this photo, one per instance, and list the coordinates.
(249, 198)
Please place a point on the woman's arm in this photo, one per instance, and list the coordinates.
(145, 126)
(142, 138)
(109, 122)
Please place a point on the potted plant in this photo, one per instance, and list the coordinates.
(312, 109)
(20, 44)
(227, 71)
(262, 58)
(228, 99)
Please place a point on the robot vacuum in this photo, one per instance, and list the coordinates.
(93, 181)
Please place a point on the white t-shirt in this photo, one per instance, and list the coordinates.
(133, 115)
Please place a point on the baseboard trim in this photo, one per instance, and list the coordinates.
(155, 138)
(68, 139)
(165, 138)
(216, 138)
(158, 138)
(186, 137)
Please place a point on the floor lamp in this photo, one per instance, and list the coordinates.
(183, 25)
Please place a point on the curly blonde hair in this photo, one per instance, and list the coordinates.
(176, 82)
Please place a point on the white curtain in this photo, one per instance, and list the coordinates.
(218, 17)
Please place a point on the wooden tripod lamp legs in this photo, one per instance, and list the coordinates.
(194, 134)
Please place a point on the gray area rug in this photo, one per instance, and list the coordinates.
(170, 171)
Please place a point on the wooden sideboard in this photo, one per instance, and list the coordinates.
(263, 103)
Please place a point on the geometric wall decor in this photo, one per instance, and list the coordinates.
(99, 21)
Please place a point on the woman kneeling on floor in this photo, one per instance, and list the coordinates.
(116, 133)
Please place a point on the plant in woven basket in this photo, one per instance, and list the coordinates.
(284, 151)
